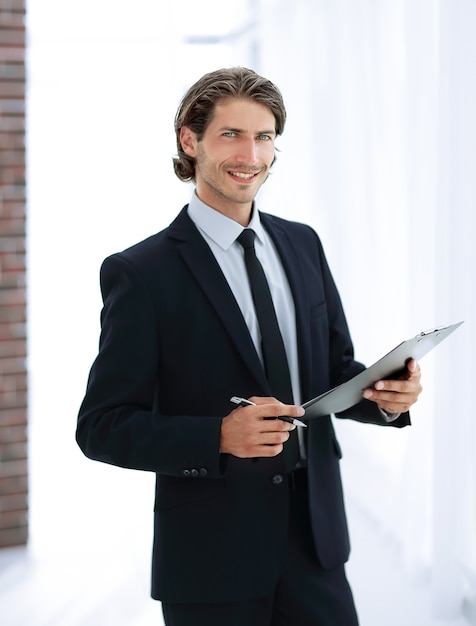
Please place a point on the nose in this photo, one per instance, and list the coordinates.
(248, 152)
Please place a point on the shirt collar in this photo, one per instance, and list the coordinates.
(219, 227)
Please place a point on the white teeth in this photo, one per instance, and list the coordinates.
(242, 175)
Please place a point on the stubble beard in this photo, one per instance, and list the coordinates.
(243, 195)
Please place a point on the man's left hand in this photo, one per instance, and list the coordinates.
(397, 396)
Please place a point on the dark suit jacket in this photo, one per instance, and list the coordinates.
(174, 348)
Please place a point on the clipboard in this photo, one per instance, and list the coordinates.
(350, 393)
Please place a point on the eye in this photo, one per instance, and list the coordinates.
(229, 133)
(265, 138)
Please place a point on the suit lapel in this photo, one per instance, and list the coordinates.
(206, 271)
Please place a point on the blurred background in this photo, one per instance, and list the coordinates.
(379, 156)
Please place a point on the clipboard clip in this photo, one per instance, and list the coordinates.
(432, 331)
(424, 333)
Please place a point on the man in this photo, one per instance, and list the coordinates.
(250, 527)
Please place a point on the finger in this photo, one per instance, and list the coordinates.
(398, 386)
(392, 402)
(264, 400)
(270, 444)
(266, 450)
(413, 375)
(257, 450)
(277, 409)
(273, 424)
(410, 395)
(413, 371)
(254, 420)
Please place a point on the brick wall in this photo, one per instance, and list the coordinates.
(13, 377)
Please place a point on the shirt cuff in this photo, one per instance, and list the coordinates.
(389, 417)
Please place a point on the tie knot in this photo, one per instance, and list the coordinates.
(247, 238)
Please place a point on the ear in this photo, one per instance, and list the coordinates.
(188, 141)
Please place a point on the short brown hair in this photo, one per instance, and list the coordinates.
(198, 105)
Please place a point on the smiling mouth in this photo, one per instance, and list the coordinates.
(244, 176)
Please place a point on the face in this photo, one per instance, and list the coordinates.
(234, 156)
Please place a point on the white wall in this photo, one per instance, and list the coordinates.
(104, 83)
(380, 152)
(378, 155)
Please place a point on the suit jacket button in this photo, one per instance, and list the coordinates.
(203, 471)
(194, 472)
(186, 473)
(277, 480)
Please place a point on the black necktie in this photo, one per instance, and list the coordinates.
(274, 354)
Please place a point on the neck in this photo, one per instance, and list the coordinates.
(240, 213)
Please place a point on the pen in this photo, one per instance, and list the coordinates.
(284, 418)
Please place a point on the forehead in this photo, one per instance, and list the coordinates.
(242, 114)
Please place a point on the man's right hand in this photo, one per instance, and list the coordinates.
(253, 431)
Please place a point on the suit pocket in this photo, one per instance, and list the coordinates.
(319, 311)
(173, 492)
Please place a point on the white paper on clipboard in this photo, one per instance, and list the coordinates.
(346, 395)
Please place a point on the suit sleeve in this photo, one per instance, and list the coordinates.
(117, 421)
